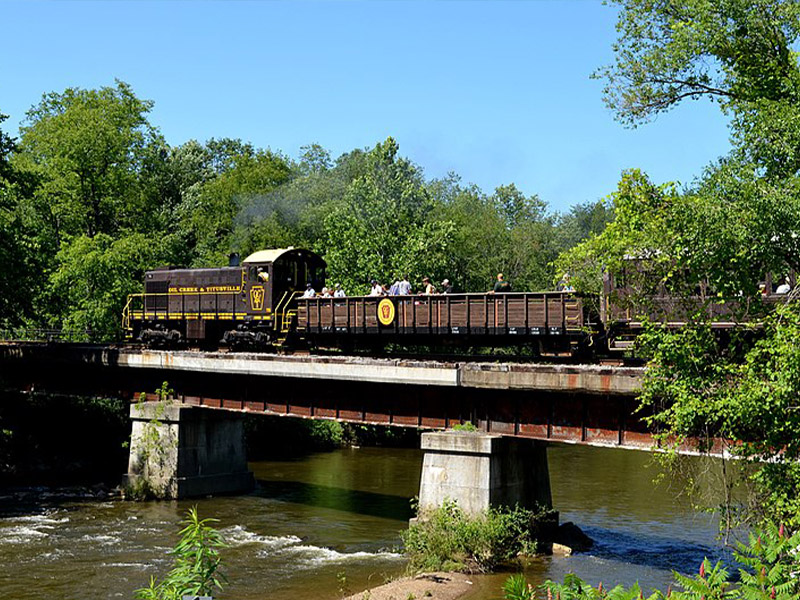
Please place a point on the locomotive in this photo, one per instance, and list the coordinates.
(258, 304)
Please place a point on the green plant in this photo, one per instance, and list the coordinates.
(448, 539)
(341, 579)
(517, 587)
(197, 563)
(468, 426)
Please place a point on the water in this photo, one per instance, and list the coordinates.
(329, 522)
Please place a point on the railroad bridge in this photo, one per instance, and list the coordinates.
(517, 408)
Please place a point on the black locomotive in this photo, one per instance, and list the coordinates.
(258, 304)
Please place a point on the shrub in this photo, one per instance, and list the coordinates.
(449, 539)
(196, 570)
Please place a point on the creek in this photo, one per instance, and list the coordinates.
(326, 523)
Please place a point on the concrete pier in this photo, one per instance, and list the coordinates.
(182, 452)
(479, 470)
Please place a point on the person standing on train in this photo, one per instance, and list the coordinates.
(404, 287)
(501, 285)
(339, 293)
(309, 293)
(447, 287)
(395, 289)
(430, 289)
(785, 287)
(377, 288)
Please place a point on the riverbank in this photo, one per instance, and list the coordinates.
(433, 586)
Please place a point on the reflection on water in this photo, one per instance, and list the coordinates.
(319, 516)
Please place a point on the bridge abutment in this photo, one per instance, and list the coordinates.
(479, 470)
(183, 451)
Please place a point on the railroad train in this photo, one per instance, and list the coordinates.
(259, 304)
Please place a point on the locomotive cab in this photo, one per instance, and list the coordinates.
(276, 277)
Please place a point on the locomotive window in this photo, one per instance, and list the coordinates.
(253, 274)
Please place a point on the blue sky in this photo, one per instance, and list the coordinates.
(498, 92)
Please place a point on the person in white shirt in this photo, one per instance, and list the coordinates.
(339, 293)
(309, 293)
(784, 288)
(377, 288)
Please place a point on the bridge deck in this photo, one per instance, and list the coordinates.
(583, 404)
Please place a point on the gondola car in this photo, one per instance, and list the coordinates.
(251, 304)
(551, 322)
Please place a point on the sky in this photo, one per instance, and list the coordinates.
(497, 92)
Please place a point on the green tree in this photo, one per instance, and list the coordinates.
(736, 52)
(18, 246)
(739, 221)
(384, 226)
(95, 275)
(87, 148)
(212, 212)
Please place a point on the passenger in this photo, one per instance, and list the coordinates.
(339, 293)
(327, 293)
(429, 289)
(447, 287)
(501, 285)
(309, 293)
(395, 289)
(404, 287)
(385, 289)
(564, 285)
(377, 288)
(785, 287)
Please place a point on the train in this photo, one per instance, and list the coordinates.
(258, 304)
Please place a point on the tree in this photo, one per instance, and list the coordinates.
(212, 212)
(384, 226)
(17, 244)
(88, 148)
(95, 275)
(736, 52)
(739, 221)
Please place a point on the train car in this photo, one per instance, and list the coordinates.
(249, 304)
(630, 299)
(552, 322)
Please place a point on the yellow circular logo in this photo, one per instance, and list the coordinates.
(386, 311)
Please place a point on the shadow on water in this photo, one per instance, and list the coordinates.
(320, 496)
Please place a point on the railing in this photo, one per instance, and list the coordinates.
(28, 334)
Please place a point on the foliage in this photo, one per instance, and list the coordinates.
(769, 564)
(697, 389)
(465, 427)
(738, 222)
(383, 229)
(212, 212)
(732, 51)
(448, 539)
(87, 148)
(95, 277)
(197, 563)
